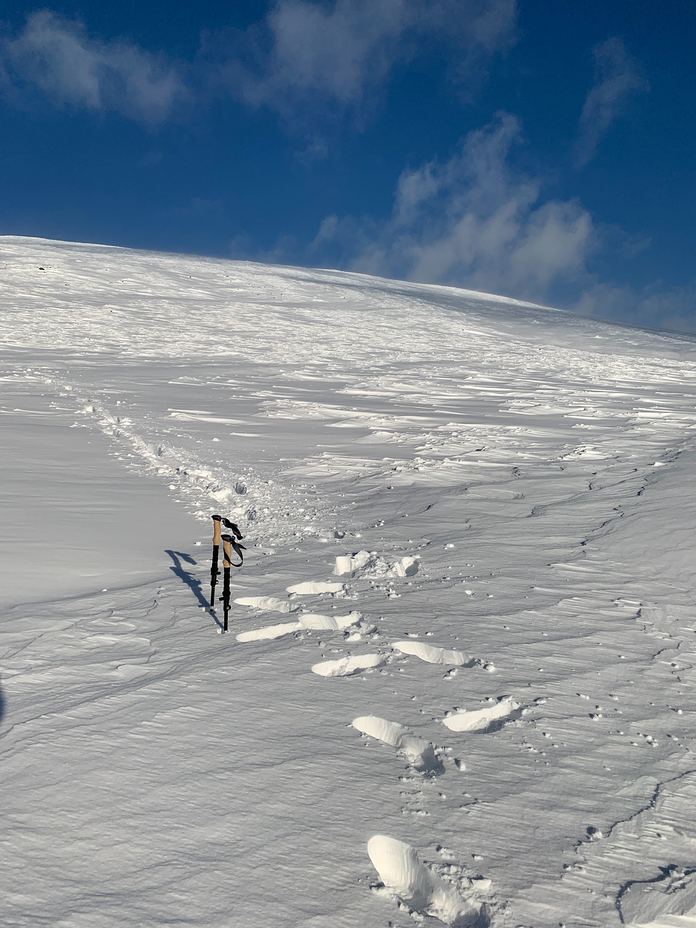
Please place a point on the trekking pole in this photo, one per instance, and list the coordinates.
(226, 564)
(214, 572)
(229, 544)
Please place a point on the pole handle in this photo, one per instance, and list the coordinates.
(227, 551)
(217, 529)
(234, 528)
(230, 544)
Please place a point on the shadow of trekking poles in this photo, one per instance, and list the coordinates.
(178, 568)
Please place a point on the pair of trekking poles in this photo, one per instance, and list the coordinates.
(230, 543)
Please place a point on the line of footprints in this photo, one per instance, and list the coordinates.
(440, 890)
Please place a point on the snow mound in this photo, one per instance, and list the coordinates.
(482, 719)
(267, 603)
(315, 587)
(431, 654)
(269, 632)
(421, 890)
(347, 666)
(418, 752)
(371, 565)
(315, 620)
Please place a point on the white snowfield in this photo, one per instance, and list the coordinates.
(432, 483)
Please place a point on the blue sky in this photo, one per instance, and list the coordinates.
(538, 149)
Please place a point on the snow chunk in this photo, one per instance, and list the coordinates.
(267, 603)
(418, 752)
(269, 632)
(369, 564)
(346, 666)
(315, 620)
(313, 587)
(481, 719)
(431, 654)
(422, 890)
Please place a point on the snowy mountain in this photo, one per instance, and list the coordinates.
(459, 685)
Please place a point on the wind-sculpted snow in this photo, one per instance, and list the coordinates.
(459, 686)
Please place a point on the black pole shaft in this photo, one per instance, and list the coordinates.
(214, 574)
(226, 597)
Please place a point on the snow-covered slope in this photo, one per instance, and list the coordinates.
(460, 682)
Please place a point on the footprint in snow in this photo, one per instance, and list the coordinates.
(315, 620)
(484, 720)
(313, 587)
(309, 621)
(347, 666)
(434, 655)
(423, 891)
(267, 603)
(269, 632)
(419, 753)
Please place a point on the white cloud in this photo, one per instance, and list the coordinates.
(471, 221)
(57, 57)
(303, 55)
(474, 221)
(617, 78)
(309, 52)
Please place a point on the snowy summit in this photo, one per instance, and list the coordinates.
(459, 685)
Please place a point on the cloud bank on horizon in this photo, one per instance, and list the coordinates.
(482, 196)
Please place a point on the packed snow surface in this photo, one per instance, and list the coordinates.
(459, 686)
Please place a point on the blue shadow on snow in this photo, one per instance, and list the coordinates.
(179, 559)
